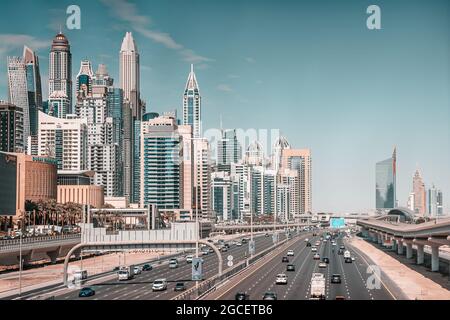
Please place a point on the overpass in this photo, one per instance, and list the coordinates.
(37, 248)
(433, 234)
(258, 227)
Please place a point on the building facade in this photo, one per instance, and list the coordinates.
(385, 187)
(192, 105)
(11, 128)
(64, 140)
(60, 68)
(419, 194)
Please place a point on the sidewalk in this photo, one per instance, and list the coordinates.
(412, 284)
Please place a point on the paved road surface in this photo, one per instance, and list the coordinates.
(353, 275)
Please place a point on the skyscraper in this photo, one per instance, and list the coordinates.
(34, 88)
(64, 140)
(300, 161)
(161, 163)
(228, 148)
(18, 92)
(192, 111)
(130, 74)
(11, 128)
(419, 194)
(202, 177)
(85, 79)
(385, 186)
(60, 68)
(432, 201)
(58, 104)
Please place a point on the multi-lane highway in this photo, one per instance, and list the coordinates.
(140, 287)
(353, 276)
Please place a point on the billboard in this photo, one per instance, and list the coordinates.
(337, 223)
(8, 184)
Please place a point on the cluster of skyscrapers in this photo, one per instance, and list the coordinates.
(419, 201)
(102, 131)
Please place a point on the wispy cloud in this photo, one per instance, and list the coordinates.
(250, 60)
(224, 87)
(128, 13)
(12, 44)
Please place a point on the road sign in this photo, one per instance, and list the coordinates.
(197, 272)
(230, 263)
(251, 247)
(230, 258)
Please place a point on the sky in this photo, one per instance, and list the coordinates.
(311, 69)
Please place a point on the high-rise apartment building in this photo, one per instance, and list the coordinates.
(18, 92)
(85, 79)
(161, 163)
(11, 128)
(229, 149)
(60, 68)
(202, 177)
(58, 104)
(419, 194)
(192, 104)
(300, 161)
(64, 140)
(34, 88)
(222, 196)
(385, 187)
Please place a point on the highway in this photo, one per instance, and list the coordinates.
(140, 287)
(353, 276)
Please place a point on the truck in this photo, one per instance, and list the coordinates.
(126, 273)
(317, 286)
(347, 254)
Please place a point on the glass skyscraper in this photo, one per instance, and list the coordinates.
(385, 190)
(192, 104)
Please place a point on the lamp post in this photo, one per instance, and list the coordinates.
(20, 262)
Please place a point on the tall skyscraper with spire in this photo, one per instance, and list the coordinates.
(192, 110)
(129, 70)
(60, 68)
(130, 74)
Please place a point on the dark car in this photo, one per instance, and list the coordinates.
(266, 235)
(308, 244)
(341, 252)
(241, 296)
(290, 267)
(285, 259)
(244, 240)
(116, 269)
(348, 260)
(326, 260)
(86, 292)
(179, 286)
(147, 267)
(342, 247)
(270, 296)
(336, 278)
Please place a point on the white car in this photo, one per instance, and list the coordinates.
(159, 285)
(322, 265)
(238, 244)
(306, 240)
(290, 253)
(313, 249)
(281, 279)
(189, 258)
(137, 270)
(353, 258)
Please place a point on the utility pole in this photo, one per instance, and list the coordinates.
(20, 261)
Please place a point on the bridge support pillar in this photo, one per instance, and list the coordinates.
(420, 255)
(434, 258)
(53, 255)
(394, 244)
(409, 251)
(400, 247)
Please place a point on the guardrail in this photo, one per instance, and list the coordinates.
(209, 285)
(9, 244)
